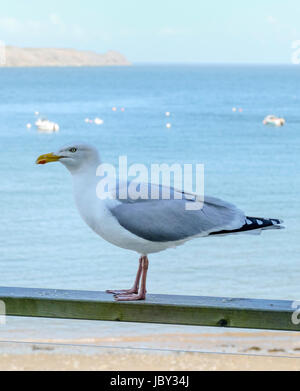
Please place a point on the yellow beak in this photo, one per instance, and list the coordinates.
(48, 158)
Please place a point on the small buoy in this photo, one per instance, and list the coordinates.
(114, 109)
(168, 114)
(98, 121)
(240, 110)
(28, 126)
(86, 120)
(122, 109)
(234, 109)
(168, 125)
(36, 113)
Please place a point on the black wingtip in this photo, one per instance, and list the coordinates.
(254, 223)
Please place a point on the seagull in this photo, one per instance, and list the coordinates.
(147, 226)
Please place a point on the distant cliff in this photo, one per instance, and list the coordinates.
(30, 57)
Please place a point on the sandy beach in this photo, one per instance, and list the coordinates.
(208, 351)
(145, 362)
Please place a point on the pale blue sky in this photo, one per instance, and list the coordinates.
(253, 31)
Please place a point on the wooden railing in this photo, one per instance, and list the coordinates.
(164, 309)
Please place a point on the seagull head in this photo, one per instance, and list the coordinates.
(75, 157)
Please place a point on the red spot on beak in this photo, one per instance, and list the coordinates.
(42, 162)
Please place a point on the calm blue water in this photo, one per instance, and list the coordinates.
(43, 241)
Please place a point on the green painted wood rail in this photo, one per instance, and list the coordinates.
(164, 309)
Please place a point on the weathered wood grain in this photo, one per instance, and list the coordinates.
(164, 309)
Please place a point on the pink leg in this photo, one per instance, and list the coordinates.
(141, 295)
(136, 284)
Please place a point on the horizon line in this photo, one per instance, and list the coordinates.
(208, 63)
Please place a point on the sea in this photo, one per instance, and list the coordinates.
(216, 114)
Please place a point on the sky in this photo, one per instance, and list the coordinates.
(161, 31)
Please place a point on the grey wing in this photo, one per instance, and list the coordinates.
(167, 220)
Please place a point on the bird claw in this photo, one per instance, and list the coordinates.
(135, 293)
(122, 291)
(132, 297)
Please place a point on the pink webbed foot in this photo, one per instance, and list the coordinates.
(141, 295)
(134, 289)
(122, 291)
(134, 293)
(133, 297)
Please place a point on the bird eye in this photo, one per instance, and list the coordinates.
(73, 150)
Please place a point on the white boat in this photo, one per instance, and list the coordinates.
(98, 121)
(273, 120)
(45, 125)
